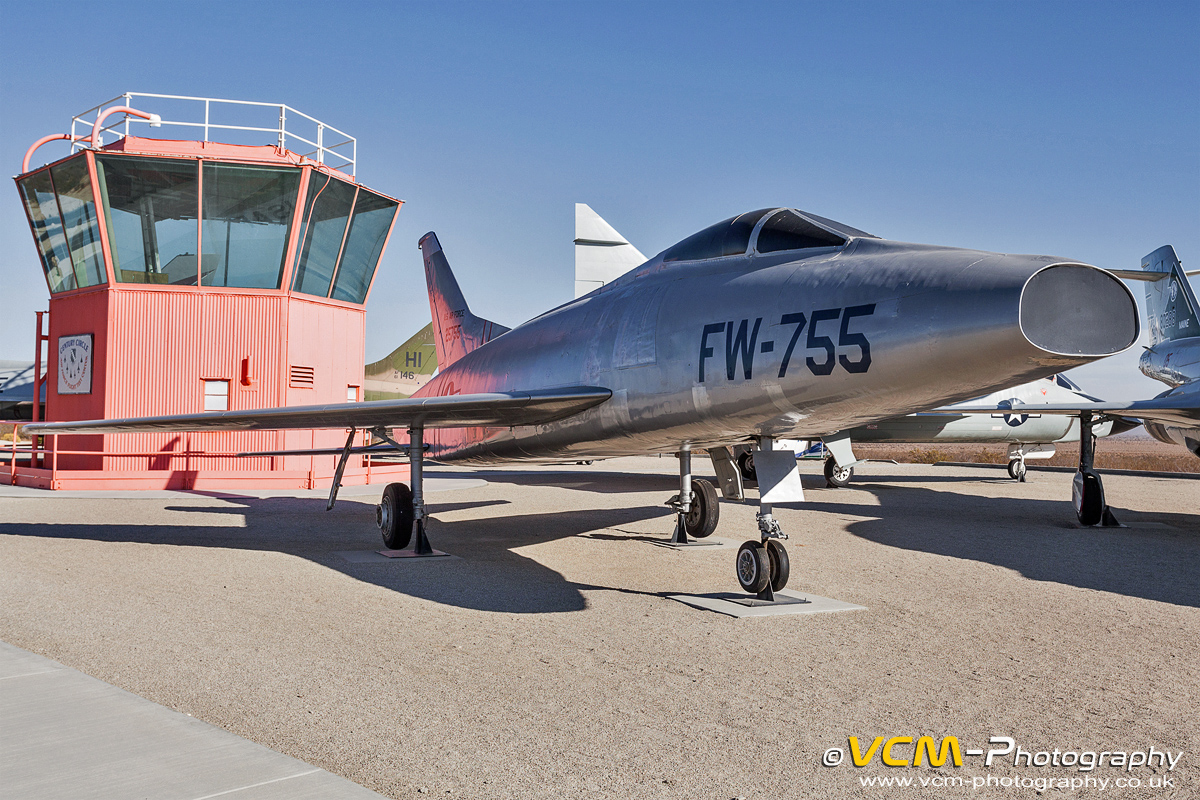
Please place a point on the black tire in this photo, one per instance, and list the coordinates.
(395, 516)
(1016, 469)
(701, 520)
(753, 567)
(745, 465)
(1087, 492)
(781, 566)
(837, 477)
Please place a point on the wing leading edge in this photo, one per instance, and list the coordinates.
(499, 409)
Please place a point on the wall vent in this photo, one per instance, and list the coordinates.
(302, 377)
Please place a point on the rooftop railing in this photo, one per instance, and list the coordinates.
(209, 114)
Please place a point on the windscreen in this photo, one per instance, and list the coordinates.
(728, 238)
(786, 230)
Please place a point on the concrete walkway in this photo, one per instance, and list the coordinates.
(64, 734)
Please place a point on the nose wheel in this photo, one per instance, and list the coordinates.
(1016, 469)
(763, 568)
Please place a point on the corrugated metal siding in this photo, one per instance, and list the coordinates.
(164, 344)
(329, 338)
(153, 349)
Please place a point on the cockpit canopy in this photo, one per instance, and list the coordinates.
(773, 230)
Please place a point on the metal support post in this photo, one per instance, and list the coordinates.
(416, 453)
(341, 466)
(685, 495)
(1087, 488)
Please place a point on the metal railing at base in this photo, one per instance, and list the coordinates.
(37, 456)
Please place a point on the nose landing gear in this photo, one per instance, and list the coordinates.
(1016, 469)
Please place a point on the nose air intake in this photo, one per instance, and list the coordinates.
(1077, 310)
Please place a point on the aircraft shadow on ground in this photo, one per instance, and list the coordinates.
(1156, 558)
(486, 573)
(597, 479)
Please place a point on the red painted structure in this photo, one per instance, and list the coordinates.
(207, 276)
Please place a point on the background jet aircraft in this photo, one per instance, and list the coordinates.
(1028, 434)
(602, 255)
(403, 371)
(1173, 357)
(773, 323)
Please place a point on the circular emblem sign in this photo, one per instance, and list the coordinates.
(75, 364)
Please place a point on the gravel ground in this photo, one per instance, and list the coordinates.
(544, 660)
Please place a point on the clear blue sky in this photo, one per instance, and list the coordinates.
(1063, 128)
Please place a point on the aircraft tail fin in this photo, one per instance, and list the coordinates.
(404, 370)
(456, 330)
(601, 254)
(1171, 306)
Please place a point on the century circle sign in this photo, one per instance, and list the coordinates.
(75, 364)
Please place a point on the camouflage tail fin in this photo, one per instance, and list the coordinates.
(1171, 306)
(456, 330)
(404, 370)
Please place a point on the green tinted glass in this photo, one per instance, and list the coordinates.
(326, 214)
(247, 216)
(42, 207)
(151, 205)
(368, 231)
(74, 189)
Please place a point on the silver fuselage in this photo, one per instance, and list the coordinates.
(694, 352)
(1175, 362)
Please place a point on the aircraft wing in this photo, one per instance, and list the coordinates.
(1178, 407)
(499, 409)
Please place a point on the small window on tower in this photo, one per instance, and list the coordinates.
(216, 395)
(351, 394)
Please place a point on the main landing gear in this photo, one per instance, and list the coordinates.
(837, 477)
(1087, 491)
(696, 508)
(401, 511)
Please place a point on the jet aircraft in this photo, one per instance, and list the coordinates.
(773, 323)
(602, 255)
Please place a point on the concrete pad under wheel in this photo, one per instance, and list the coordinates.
(735, 604)
(386, 556)
(689, 543)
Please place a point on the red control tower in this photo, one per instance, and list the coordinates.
(189, 276)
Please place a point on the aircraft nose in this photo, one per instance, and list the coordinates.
(1078, 310)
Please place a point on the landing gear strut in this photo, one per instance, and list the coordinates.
(696, 506)
(401, 512)
(1087, 491)
(763, 567)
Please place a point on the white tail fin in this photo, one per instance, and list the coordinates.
(456, 330)
(601, 254)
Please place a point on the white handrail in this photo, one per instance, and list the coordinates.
(210, 107)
